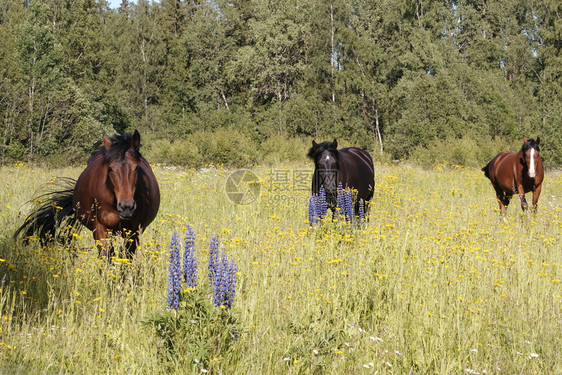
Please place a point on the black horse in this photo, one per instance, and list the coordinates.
(350, 167)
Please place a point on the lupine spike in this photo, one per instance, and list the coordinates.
(323, 206)
(348, 202)
(218, 283)
(312, 216)
(317, 206)
(189, 259)
(232, 281)
(213, 258)
(174, 272)
(362, 210)
(222, 278)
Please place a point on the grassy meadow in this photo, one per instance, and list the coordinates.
(433, 283)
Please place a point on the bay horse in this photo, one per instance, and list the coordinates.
(517, 173)
(117, 192)
(351, 167)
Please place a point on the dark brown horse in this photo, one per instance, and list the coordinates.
(351, 167)
(117, 192)
(517, 173)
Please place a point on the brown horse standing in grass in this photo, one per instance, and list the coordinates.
(517, 173)
(117, 192)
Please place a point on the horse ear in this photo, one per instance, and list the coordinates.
(314, 144)
(525, 140)
(538, 140)
(335, 144)
(106, 141)
(135, 140)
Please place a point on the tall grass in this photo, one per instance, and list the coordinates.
(434, 282)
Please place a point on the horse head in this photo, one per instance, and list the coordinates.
(325, 156)
(530, 158)
(122, 157)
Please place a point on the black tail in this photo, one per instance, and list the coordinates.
(486, 170)
(55, 207)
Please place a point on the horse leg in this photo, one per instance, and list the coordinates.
(536, 194)
(521, 193)
(507, 199)
(501, 197)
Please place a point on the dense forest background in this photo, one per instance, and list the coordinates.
(237, 81)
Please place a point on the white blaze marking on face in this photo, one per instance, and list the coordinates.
(327, 157)
(532, 166)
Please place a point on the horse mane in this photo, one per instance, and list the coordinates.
(120, 145)
(531, 143)
(320, 148)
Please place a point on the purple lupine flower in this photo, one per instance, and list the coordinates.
(362, 210)
(345, 202)
(213, 259)
(218, 282)
(189, 259)
(312, 215)
(348, 204)
(317, 206)
(174, 272)
(233, 276)
(223, 281)
(322, 205)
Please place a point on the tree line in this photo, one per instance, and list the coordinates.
(407, 77)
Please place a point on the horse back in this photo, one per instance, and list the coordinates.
(356, 171)
(503, 168)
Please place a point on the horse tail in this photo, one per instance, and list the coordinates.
(486, 169)
(55, 207)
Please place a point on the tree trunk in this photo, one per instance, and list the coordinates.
(377, 128)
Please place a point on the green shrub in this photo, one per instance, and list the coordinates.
(221, 147)
(280, 148)
(461, 151)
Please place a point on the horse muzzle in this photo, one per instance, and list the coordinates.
(126, 209)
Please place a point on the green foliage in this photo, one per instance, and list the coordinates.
(279, 148)
(176, 153)
(225, 147)
(202, 148)
(395, 76)
(195, 334)
(463, 151)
